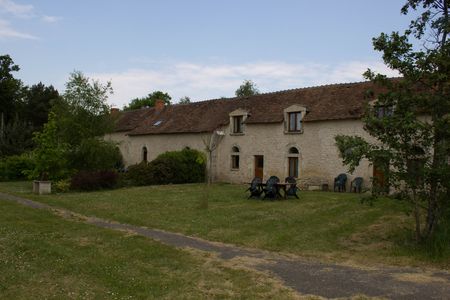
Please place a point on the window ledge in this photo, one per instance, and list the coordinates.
(293, 132)
(234, 170)
(237, 133)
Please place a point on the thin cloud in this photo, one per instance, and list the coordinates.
(204, 81)
(18, 10)
(51, 19)
(6, 31)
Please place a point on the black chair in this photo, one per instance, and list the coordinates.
(255, 188)
(271, 190)
(340, 182)
(356, 185)
(292, 190)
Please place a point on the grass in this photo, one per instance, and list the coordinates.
(329, 226)
(43, 256)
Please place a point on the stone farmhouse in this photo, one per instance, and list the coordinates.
(285, 133)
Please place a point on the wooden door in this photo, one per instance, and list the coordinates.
(259, 166)
(293, 167)
(379, 178)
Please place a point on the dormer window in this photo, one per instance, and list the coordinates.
(295, 122)
(237, 124)
(237, 121)
(382, 111)
(293, 119)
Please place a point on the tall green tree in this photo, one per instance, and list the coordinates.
(15, 134)
(10, 89)
(410, 121)
(247, 88)
(15, 138)
(38, 100)
(50, 154)
(148, 101)
(83, 111)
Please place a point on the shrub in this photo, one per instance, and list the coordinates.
(50, 154)
(15, 167)
(61, 186)
(96, 154)
(94, 180)
(140, 174)
(184, 166)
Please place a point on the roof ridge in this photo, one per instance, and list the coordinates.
(137, 109)
(278, 92)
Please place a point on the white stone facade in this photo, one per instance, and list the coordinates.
(319, 162)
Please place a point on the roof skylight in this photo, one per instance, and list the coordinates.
(157, 123)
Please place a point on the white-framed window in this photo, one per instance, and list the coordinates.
(235, 158)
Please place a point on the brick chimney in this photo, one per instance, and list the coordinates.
(159, 104)
(114, 111)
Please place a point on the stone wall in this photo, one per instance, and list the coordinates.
(319, 161)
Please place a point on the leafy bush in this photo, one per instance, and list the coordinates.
(94, 180)
(61, 186)
(50, 154)
(140, 174)
(185, 166)
(15, 167)
(96, 154)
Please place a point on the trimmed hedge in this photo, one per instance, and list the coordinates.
(185, 166)
(94, 180)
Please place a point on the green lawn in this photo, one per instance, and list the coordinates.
(43, 256)
(331, 226)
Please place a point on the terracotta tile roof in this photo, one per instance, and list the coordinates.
(329, 102)
(129, 120)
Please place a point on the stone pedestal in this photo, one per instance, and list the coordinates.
(42, 187)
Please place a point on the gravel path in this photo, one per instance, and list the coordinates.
(307, 277)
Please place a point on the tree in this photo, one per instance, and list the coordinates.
(184, 100)
(247, 88)
(148, 101)
(83, 111)
(10, 89)
(15, 137)
(50, 154)
(82, 119)
(410, 121)
(38, 101)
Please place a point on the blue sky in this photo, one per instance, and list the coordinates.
(201, 49)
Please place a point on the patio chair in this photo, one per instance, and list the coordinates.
(292, 190)
(356, 185)
(255, 188)
(340, 182)
(271, 190)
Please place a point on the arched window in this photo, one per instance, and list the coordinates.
(144, 154)
(293, 162)
(235, 158)
(293, 150)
